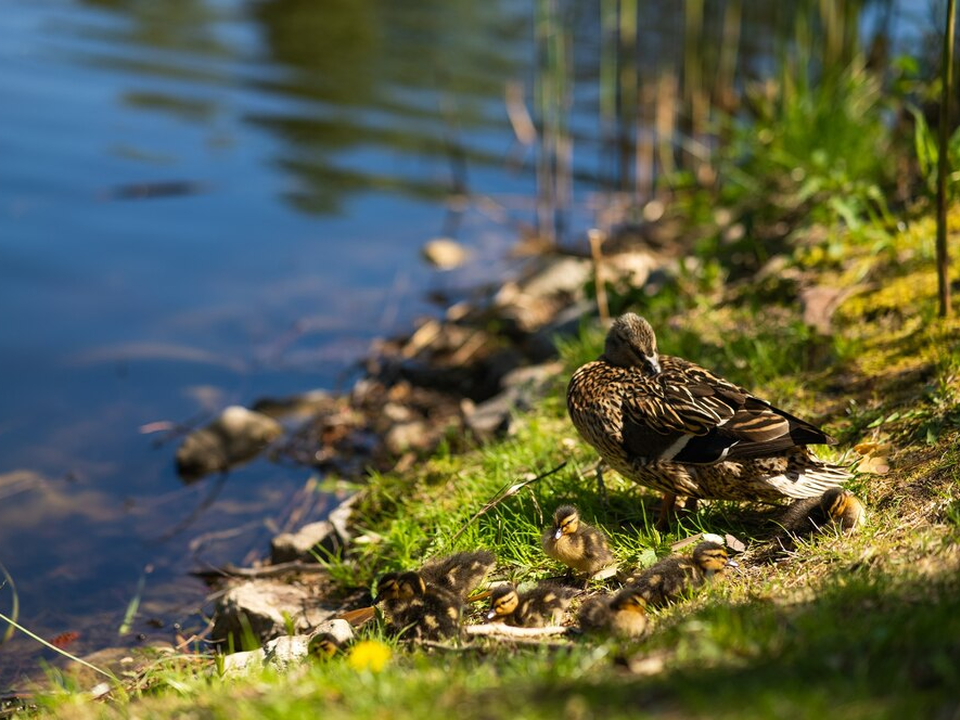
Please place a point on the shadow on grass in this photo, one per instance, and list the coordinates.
(867, 646)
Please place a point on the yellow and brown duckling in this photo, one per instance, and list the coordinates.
(416, 612)
(836, 508)
(539, 606)
(574, 543)
(460, 573)
(323, 645)
(623, 615)
(674, 576)
(674, 426)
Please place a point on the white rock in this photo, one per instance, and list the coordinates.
(407, 436)
(312, 538)
(285, 651)
(240, 663)
(340, 629)
(444, 253)
(264, 605)
(558, 275)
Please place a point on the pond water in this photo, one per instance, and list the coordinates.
(203, 202)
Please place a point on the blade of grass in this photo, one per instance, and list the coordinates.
(28, 633)
(132, 607)
(14, 603)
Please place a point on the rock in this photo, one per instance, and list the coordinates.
(340, 629)
(444, 253)
(316, 537)
(284, 652)
(629, 270)
(490, 418)
(235, 436)
(309, 403)
(339, 517)
(407, 436)
(522, 388)
(289, 650)
(541, 346)
(566, 275)
(118, 660)
(262, 607)
(397, 413)
(532, 302)
(240, 663)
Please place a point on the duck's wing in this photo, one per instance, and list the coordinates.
(689, 415)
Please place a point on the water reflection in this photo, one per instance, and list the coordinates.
(156, 265)
(413, 82)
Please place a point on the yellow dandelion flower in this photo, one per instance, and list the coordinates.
(369, 655)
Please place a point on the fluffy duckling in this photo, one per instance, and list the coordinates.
(623, 615)
(665, 581)
(460, 573)
(324, 645)
(835, 507)
(574, 543)
(844, 508)
(416, 612)
(542, 605)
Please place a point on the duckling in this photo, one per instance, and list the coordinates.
(665, 581)
(416, 612)
(844, 508)
(835, 506)
(574, 543)
(324, 645)
(623, 614)
(460, 573)
(542, 605)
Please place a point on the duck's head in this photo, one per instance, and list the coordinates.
(566, 521)
(629, 600)
(712, 557)
(399, 586)
(843, 507)
(503, 601)
(323, 645)
(631, 343)
(835, 502)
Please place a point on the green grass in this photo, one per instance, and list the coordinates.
(863, 626)
(866, 642)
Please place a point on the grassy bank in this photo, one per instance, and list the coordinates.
(802, 201)
(866, 625)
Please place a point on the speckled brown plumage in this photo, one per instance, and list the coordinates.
(677, 575)
(671, 425)
(623, 614)
(539, 606)
(460, 573)
(416, 612)
(836, 507)
(577, 545)
(323, 645)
